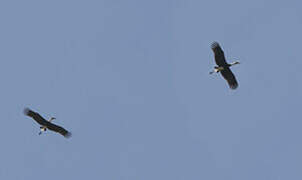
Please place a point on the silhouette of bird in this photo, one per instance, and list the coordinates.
(46, 124)
(223, 67)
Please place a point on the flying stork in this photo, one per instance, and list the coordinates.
(223, 67)
(46, 124)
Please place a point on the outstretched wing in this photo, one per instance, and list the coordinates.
(58, 129)
(37, 117)
(229, 76)
(219, 55)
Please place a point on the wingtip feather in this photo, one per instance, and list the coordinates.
(68, 135)
(214, 45)
(234, 86)
(26, 111)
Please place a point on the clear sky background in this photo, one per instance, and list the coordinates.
(130, 79)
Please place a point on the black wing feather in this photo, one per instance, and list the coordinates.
(229, 76)
(37, 117)
(58, 129)
(219, 55)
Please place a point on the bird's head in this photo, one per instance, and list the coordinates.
(236, 62)
(52, 118)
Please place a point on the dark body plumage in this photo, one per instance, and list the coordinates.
(221, 62)
(39, 119)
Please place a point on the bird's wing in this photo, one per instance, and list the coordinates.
(58, 129)
(219, 55)
(229, 76)
(36, 116)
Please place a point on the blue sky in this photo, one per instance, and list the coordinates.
(130, 80)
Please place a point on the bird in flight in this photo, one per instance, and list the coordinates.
(223, 67)
(46, 124)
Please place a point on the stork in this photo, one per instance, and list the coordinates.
(46, 124)
(223, 67)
